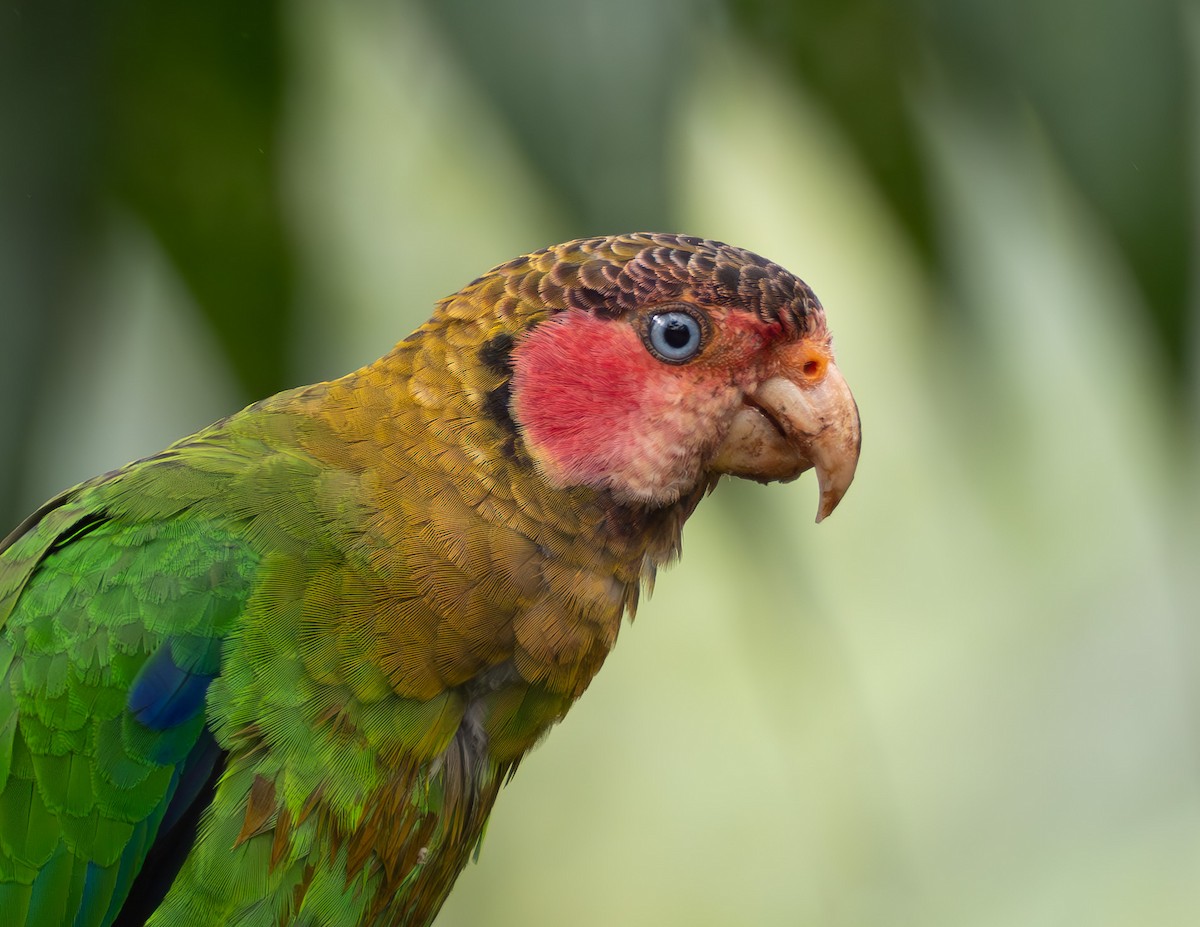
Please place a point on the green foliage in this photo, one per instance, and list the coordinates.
(588, 96)
(190, 100)
(171, 112)
(1104, 80)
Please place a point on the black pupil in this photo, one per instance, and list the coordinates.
(676, 333)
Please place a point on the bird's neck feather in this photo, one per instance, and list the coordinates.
(424, 426)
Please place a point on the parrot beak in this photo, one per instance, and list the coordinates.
(801, 417)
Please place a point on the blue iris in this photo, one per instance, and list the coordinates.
(674, 336)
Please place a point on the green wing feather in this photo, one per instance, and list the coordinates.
(234, 556)
(92, 586)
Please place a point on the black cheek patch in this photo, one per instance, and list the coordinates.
(495, 354)
(496, 357)
(496, 407)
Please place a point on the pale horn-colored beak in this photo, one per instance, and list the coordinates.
(800, 418)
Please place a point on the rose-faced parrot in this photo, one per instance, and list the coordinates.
(277, 673)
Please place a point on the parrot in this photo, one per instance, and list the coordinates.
(277, 673)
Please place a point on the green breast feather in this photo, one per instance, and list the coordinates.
(203, 716)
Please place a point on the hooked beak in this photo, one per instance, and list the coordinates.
(800, 418)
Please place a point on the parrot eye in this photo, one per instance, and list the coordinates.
(674, 336)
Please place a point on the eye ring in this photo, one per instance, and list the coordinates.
(675, 334)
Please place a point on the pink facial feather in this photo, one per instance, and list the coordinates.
(597, 409)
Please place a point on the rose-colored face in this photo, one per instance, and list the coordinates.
(649, 403)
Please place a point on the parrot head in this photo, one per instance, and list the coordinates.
(648, 365)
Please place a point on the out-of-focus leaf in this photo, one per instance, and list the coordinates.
(403, 182)
(47, 166)
(588, 90)
(190, 143)
(1105, 80)
(859, 58)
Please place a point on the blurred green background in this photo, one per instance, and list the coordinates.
(970, 698)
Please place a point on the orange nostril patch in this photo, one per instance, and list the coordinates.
(805, 361)
(812, 366)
